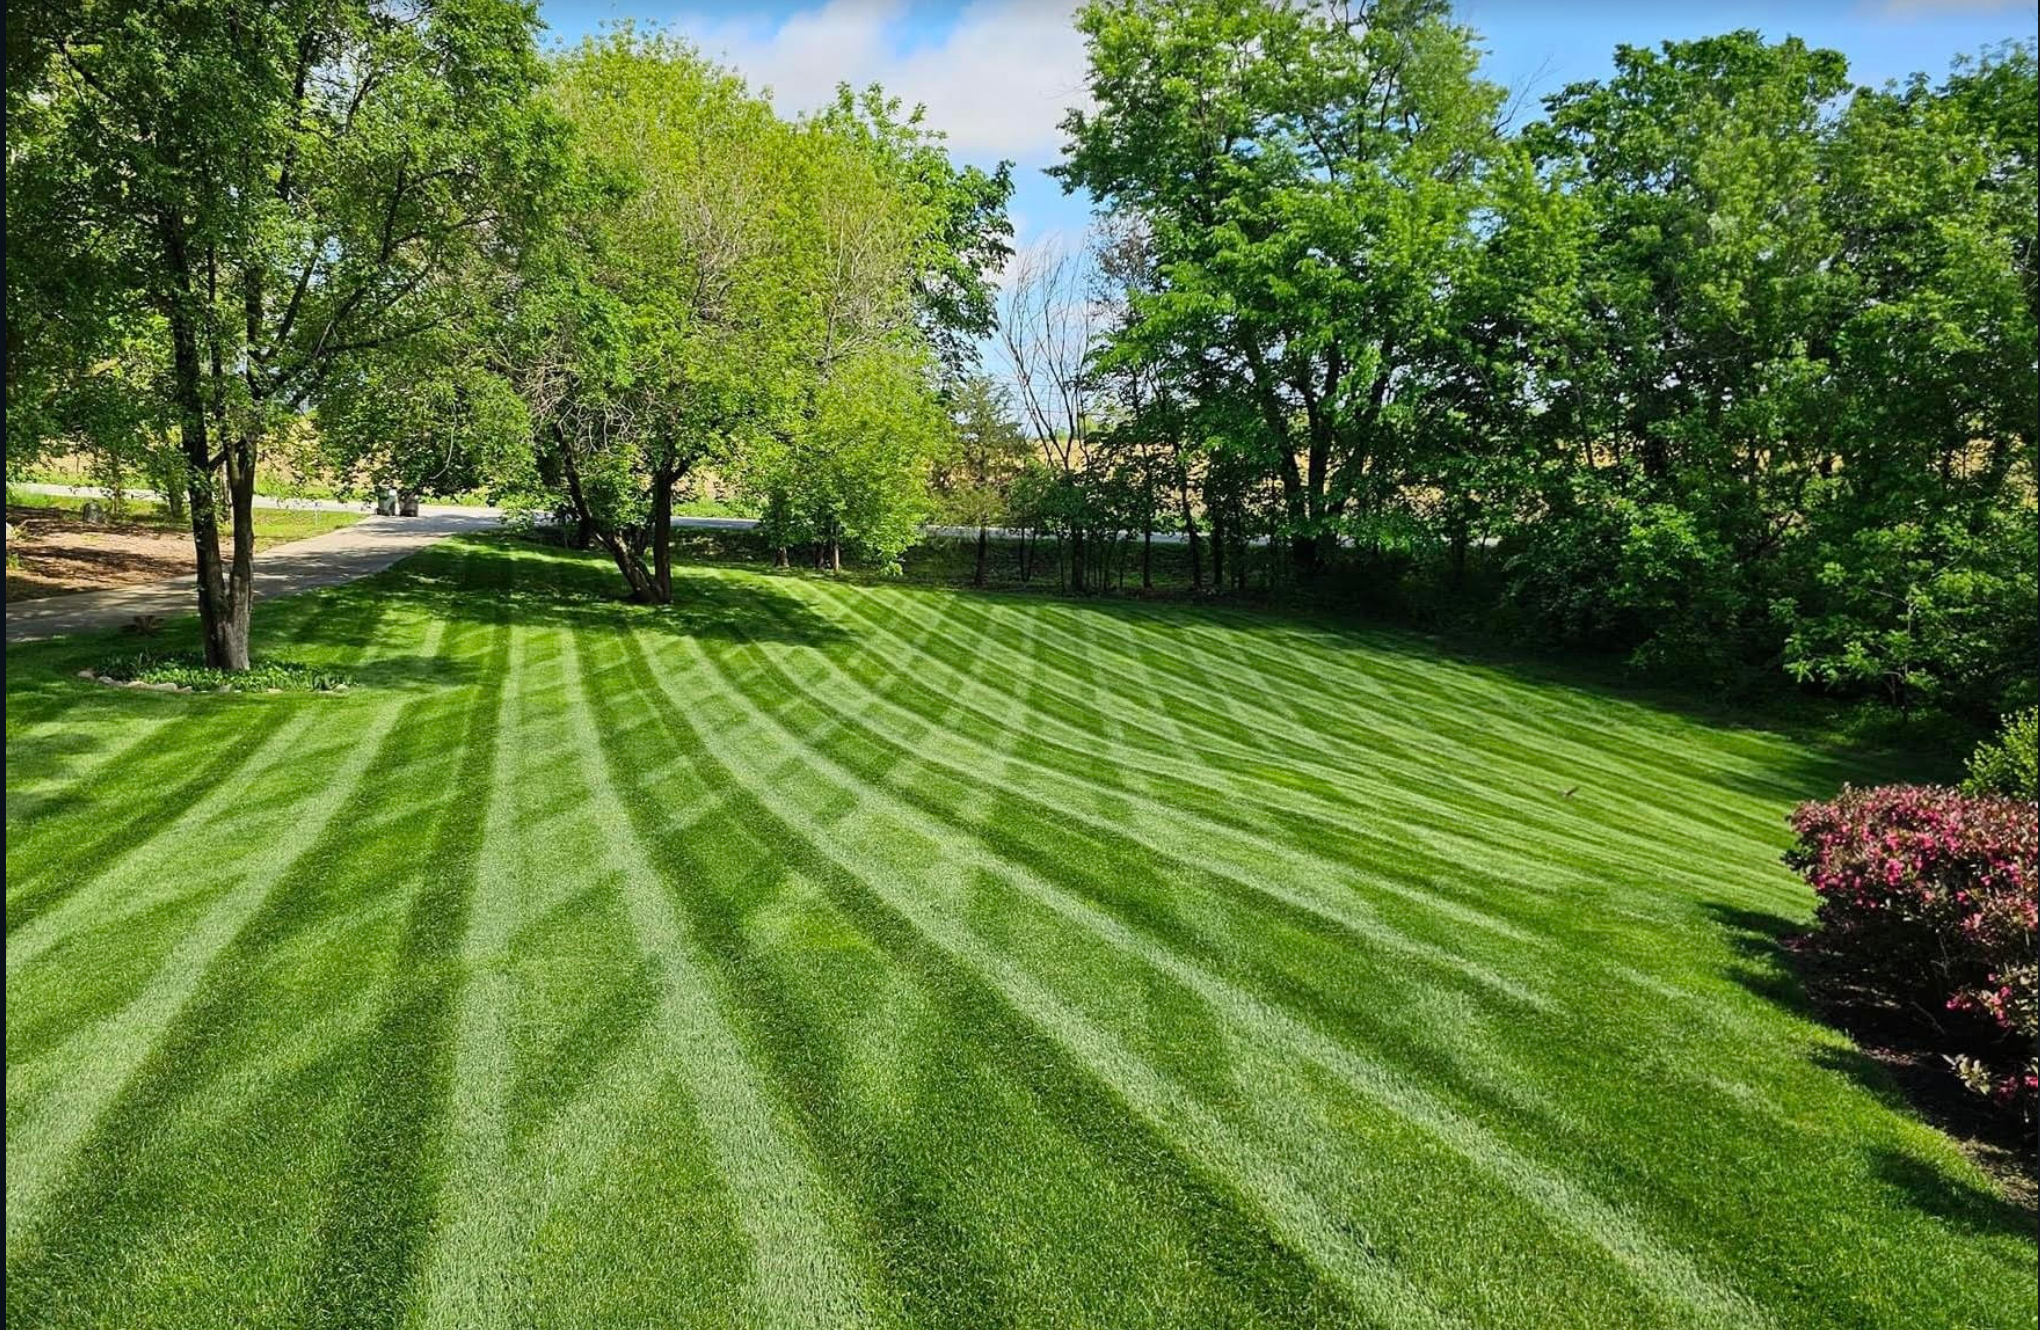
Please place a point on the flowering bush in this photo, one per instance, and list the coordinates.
(1928, 896)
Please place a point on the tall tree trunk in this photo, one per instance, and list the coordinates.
(1147, 557)
(1190, 533)
(215, 612)
(233, 638)
(1077, 553)
(984, 536)
(1028, 536)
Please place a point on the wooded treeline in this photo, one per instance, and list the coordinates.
(1722, 364)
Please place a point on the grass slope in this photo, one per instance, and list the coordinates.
(815, 954)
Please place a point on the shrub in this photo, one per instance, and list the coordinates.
(2005, 764)
(1928, 897)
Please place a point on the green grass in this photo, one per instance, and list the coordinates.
(827, 954)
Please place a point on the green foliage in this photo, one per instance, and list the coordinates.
(188, 671)
(737, 291)
(2008, 763)
(987, 450)
(426, 421)
(265, 194)
(1309, 186)
(1730, 363)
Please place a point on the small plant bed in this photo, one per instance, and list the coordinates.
(183, 672)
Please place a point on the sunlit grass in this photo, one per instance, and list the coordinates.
(829, 954)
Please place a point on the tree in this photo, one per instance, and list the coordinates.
(1308, 174)
(987, 450)
(428, 417)
(1047, 329)
(657, 340)
(284, 187)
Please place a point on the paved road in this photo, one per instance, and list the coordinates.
(368, 546)
(261, 500)
(434, 510)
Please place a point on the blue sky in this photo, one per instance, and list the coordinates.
(997, 74)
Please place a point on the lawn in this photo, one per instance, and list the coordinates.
(827, 954)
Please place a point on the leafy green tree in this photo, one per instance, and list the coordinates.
(284, 187)
(1309, 175)
(656, 341)
(428, 420)
(987, 451)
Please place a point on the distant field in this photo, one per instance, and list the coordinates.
(818, 953)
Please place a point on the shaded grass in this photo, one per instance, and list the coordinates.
(818, 953)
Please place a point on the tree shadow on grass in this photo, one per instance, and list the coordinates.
(525, 584)
(1801, 757)
(1951, 1199)
(1892, 1058)
(1765, 966)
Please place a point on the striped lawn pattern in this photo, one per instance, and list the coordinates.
(822, 954)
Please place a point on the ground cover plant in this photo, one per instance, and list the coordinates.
(183, 669)
(813, 952)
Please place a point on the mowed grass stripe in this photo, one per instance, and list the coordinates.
(1136, 852)
(1413, 809)
(1375, 801)
(934, 1240)
(1015, 934)
(104, 1060)
(802, 1276)
(1277, 730)
(1665, 1273)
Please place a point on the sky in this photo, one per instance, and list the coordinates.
(997, 75)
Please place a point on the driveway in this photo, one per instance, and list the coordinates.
(367, 546)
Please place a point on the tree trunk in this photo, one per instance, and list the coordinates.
(779, 559)
(1027, 538)
(1217, 547)
(1077, 552)
(984, 536)
(662, 532)
(644, 588)
(215, 611)
(241, 576)
(1147, 558)
(1196, 555)
(835, 551)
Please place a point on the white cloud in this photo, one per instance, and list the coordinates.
(1925, 8)
(997, 80)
